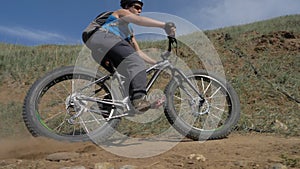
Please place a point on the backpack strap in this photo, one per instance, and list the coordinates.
(95, 25)
(101, 18)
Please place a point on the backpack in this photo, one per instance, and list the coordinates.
(95, 25)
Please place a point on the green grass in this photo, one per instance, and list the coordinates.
(267, 81)
(290, 161)
(287, 23)
(22, 63)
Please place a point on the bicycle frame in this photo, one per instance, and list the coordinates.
(157, 68)
(165, 64)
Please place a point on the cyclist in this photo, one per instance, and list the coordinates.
(114, 43)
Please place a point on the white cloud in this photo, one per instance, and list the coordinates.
(233, 12)
(35, 36)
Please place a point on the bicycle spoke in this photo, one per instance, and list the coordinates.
(177, 97)
(67, 89)
(215, 104)
(212, 96)
(220, 109)
(52, 117)
(58, 128)
(84, 125)
(58, 95)
(204, 92)
(202, 82)
(215, 116)
(94, 117)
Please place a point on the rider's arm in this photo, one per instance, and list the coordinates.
(138, 20)
(144, 56)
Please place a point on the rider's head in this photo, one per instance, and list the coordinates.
(135, 6)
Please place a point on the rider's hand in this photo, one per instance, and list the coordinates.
(170, 29)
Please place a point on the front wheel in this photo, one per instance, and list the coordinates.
(213, 118)
(47, 112)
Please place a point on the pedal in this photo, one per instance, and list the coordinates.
(132, 113)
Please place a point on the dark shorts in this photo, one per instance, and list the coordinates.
(106, 46)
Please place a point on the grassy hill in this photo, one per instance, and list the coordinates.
(261, 60)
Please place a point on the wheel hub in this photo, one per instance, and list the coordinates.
(75, 107)
(200, 107)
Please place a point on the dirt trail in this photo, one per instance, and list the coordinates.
(236, 151)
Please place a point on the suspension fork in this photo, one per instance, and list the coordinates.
(182, 77)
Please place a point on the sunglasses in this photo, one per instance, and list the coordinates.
(137, 7)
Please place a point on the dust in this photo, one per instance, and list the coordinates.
(37, 148)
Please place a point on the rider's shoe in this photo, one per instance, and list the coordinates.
(158, 103)
(141, 104)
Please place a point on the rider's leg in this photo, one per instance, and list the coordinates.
(132, 66)
(125, 59)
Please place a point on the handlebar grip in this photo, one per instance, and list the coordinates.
(168, 27)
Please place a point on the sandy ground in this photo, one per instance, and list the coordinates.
(236, 151)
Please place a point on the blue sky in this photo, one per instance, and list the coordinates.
(35, 22)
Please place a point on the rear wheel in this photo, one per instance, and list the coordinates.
(47, 112)
(212, 119)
